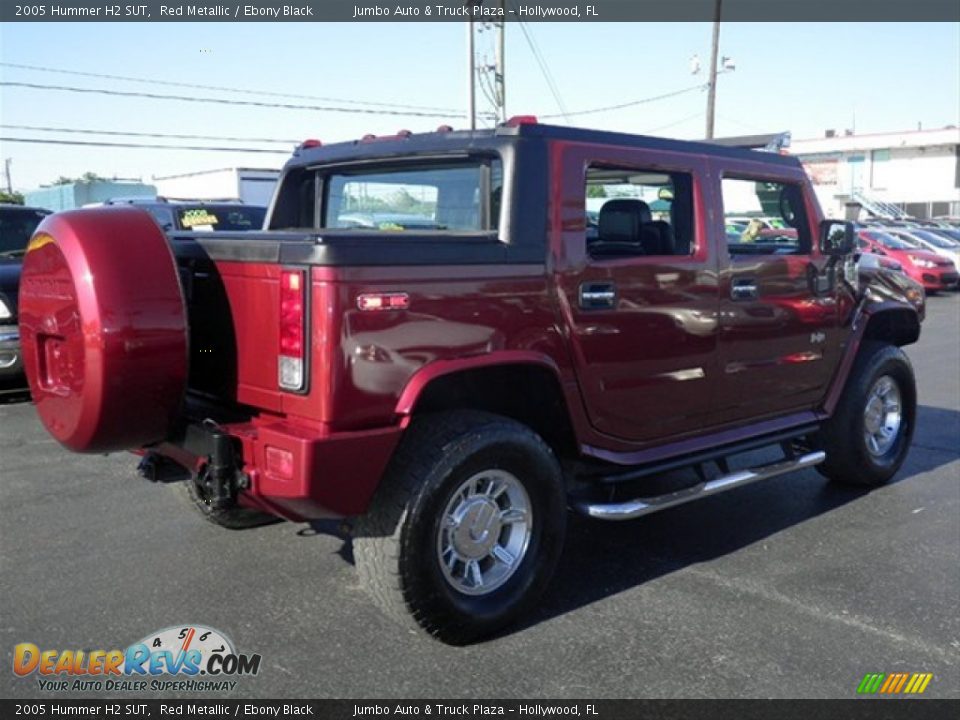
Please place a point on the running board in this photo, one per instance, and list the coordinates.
(644, 506)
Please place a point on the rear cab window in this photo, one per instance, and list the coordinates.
(460, 196)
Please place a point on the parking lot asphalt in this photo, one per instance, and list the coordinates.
(788, 588)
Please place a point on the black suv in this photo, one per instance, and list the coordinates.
(17, 224)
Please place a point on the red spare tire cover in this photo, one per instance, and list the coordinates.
(103, 327)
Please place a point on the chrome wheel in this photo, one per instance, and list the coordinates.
(882, 416)
(484, 532)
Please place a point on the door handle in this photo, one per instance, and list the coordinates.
(597, 295)
(744, 289)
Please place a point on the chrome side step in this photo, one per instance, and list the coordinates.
(644, 506)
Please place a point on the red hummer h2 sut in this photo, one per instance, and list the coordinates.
(435, 337)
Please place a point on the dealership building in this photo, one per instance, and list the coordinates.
(914, 173)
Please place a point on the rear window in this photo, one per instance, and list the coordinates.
(451, 197)
(16, 227)
(228, 218)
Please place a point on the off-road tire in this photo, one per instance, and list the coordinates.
(849, 461)
(396, 542)
(232, 518)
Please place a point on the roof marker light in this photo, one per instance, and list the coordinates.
(311, 143)
(518, 120)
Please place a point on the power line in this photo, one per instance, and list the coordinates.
(91, 143)
(221, 101)
(544, 68)
(631, 103)
(42, 128)
(222, 88)
(682, 120)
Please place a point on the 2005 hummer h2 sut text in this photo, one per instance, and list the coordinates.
(454, 337)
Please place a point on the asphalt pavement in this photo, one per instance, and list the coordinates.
(788, 588)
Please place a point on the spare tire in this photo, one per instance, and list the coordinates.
(104, 329)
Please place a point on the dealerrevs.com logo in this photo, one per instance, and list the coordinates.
(178, 658)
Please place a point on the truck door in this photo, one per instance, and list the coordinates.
(778, 322)
(638, 287)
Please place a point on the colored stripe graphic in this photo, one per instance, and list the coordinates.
(894, 683)
(870, 683)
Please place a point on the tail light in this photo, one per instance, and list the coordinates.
(293, 312)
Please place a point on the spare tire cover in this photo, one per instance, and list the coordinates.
(104, 330)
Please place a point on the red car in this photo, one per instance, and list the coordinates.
(932, 271)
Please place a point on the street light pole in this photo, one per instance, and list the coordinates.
(471, 77)
(712, 88)
(500, 77)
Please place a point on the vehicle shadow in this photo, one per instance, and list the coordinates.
(11, 394)
(936, 438)
(601, 559)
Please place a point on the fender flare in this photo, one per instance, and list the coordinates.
(438, 368)
(859, 327)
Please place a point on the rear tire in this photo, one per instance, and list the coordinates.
(466, 528)
(869, 435)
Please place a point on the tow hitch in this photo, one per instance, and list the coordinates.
(219, 479)
(206, 446)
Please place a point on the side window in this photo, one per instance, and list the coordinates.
(638, 213)
(765, 218)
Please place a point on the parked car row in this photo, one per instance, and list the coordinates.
(18, 223)
(929, 255)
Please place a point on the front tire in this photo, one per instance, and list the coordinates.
(467, 527)
(869, 435)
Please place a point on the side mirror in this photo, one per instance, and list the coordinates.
(837, 238)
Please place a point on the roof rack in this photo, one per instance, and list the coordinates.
(773, 142)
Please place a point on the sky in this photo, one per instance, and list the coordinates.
(804, 78)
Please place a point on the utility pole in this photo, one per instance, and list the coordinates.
(712, 89)
(499, 77)
(471, 77)
(6, 169)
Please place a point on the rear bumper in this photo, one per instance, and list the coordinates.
(11, 359)
(297, 471)
(331, 475)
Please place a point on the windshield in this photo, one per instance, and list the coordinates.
(893, 242)
(16, 227)
(230, 218)
(457, 197)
